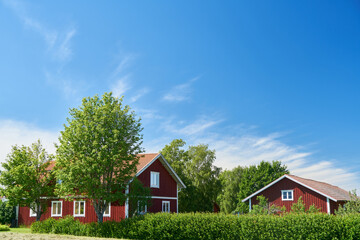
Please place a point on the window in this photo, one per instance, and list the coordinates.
(79, 208)
(56, 208)
(154, 179)
(166, 206)
(107, 210)
(142, 208)
(287, 195)
(33, 213)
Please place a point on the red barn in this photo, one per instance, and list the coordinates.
(153, 171)
(287, 189)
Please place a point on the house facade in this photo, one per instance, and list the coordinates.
(287, 189)
(153, 171)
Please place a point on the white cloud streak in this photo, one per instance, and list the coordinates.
(244, 148)
(121, 86)
(58, 43)
(21, 133)
(181, 92)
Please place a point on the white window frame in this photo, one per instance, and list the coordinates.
(79, 208)
(154, 179)
(287, 195)
(61, 206)
(109, 214)
(32, 213)
(163, 206)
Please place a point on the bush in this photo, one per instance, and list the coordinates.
(213, 226)
(7, 213)
(4, 228)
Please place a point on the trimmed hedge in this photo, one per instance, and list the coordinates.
(212, 226)
(4, 228)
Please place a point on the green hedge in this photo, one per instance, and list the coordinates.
(212, 226)
(4, 228)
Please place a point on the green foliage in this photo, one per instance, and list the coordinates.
(25, 178)
(195, 168)
(4, 228)
(256, 177)
(216, 226)
(228, 197)
(98, 151)
(265, 208)
(7, 213)
(45, 226)
(139, 197)
(298, 207)
(350, 207)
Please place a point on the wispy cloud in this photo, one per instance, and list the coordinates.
(180, 92)
(139, 94)
(121, 86)
(58, 42)
(22, 133)
(244, 147)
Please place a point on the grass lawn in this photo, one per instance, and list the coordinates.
(20, 230)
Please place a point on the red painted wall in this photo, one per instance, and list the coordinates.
(168, 186)
(309, 197)
(117, 212)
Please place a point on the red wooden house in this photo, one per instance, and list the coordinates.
(153, 171)
(287, 189)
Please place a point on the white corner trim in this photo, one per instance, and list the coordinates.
(328, 206)
(127, 202)
(250, 205)
(177, 199)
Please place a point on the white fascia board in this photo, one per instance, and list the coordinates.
(267, 186)
(286, 176)
(317, 191)
(167, 165)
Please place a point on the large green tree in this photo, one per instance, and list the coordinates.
(97, 154)
(195, 167)
(26, 180)
(256, 177)
(230, 181)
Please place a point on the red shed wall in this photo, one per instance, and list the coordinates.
(309, 197)
(117, 212)
(168, 186)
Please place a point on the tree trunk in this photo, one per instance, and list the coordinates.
(100, 217)
(38, 212)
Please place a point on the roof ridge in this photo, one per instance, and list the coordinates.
(290, 175)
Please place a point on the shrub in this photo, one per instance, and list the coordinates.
(213, 226)
(4, 228)
(7, 213)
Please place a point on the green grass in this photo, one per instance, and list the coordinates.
(20, 230)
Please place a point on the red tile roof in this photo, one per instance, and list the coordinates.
(327, 189)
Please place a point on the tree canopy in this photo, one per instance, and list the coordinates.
(195, 167)
(97, 154)
(26, 179)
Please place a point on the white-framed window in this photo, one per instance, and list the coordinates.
(56, 208)
(33, 213)
(107, 210)
(287, 195)
(165, 206)
(142, 208)
(155, 179)
(79, 208)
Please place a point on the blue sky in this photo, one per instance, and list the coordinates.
(256, 80)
